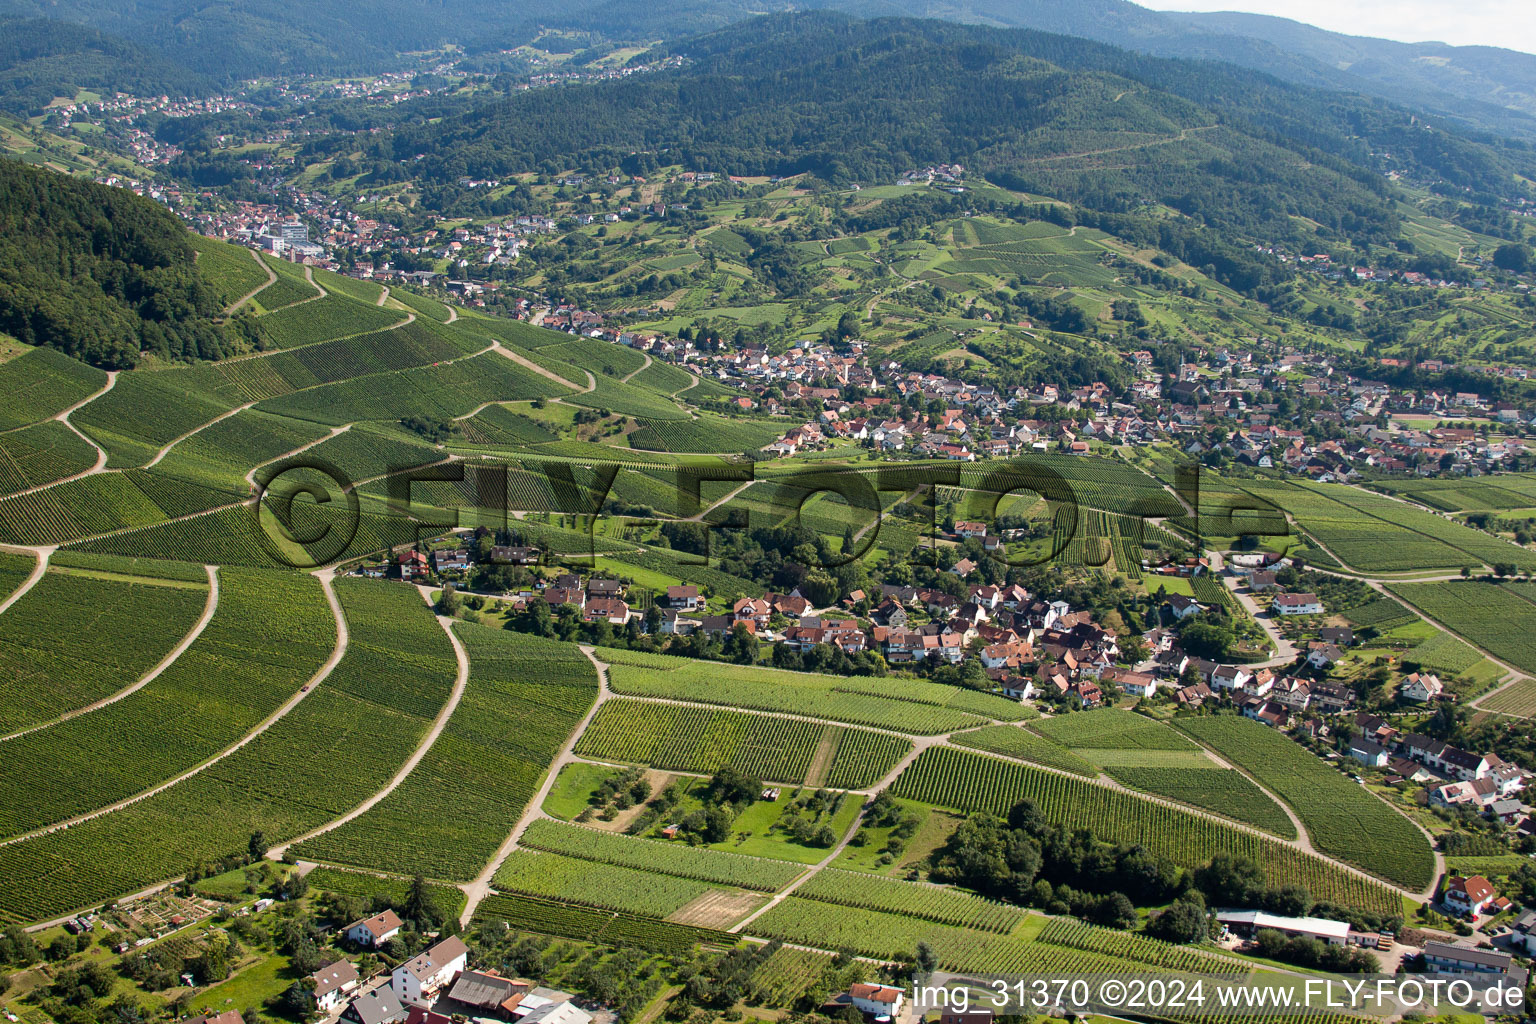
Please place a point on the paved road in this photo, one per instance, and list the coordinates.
(1288, 651)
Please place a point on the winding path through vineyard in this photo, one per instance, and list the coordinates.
(480, 888)
(209, 607)
(42, 555)
(325, 577)
(460, 681)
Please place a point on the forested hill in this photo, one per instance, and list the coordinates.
(252, 38)
(1485, 86)
(866, 100)
(99, 273)
(41, 59)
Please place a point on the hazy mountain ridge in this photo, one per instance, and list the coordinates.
(1483, 86)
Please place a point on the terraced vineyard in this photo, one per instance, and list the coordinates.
(42, 383)
(14, 570)
(1377, 534)
(708, 433)
(449, 898)
(1343, 819)
(1506, 491)
(308, 768)
(259, 745)
(270, 633)
(145, 411)
(1112, 729)
(1493, 617)
(497, 425)
(594, 884)
(41, 454)
(219, 456)
(1026, 746)
(445, 391)
(885, 935)
(771, 690)
(482, 770)
(1446, 654)
(636, 931)
(863, 758)
(700, 740)
(233, 536)
(1209, 786)
(699, 863)
(663, 378)
(334, 316)
(422, 304)
(233, 271)
(972, 782)
(74, 639)
(1518, 699)
(369, 293)
(99, 504)
(929, 902)
(628, 400)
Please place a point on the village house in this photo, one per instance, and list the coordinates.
(451, 559)
(334, 983)
(374, 931)
(557, 596)
(1132, 684)
(754, 610)
(413, 565)
(606, 609)
(1229, 677)
(604, 588)
(1193, 695)
(381, 1006)
(1442, 757)
(1330, 698)
(685, 598)
(422, 978)
(1369, 753)
(514, 555)
(1323, 656)
(883, 1002)
(1182, 607)
(1446, 957)
(1420, 688)
(1469, 896)
(1297, 604)
(488, 991)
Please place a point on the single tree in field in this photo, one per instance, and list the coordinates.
(925, 959)
(420, 907)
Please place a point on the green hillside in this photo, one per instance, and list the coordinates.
(100, 273)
